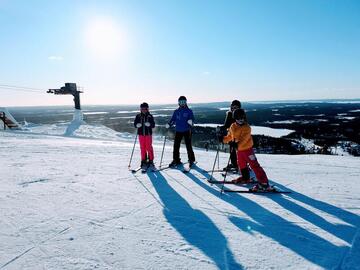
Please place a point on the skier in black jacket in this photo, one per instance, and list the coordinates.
(229, 120)
(144, 122)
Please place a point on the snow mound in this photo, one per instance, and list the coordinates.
(77, 121)
(10, 117)
(76, 128)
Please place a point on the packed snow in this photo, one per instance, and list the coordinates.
(72, 203)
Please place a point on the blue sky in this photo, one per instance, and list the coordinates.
(131, 51)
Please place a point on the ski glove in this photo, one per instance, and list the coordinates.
(190, 122)
(147, 124)
(138, 125)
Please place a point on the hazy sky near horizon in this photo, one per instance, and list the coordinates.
(129, 51)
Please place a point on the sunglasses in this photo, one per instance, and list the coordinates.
(182, 102)
(144, 109)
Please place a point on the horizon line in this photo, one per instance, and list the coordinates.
(198, 103)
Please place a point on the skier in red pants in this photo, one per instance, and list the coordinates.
(144, 122)
(240, 132)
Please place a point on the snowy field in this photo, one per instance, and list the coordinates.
(260, 130)
(71, 203)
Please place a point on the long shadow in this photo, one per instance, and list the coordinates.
(196, 228)
(343, 231)
(301, 241)
(338, 212)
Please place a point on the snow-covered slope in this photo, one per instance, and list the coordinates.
(71, 203)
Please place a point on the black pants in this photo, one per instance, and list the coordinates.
(233, 154)
(177, 142)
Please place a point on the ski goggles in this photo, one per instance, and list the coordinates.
(240, 121)
(144, 109)
(182, 102)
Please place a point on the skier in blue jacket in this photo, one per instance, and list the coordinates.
(183, 119)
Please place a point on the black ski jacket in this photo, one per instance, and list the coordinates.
(143, 118)
(229, 120)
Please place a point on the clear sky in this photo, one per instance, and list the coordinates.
(129, 51)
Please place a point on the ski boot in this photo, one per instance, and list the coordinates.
(241, 181)
(191, 163)
(262, 188)
(144, 166)
(175, 163)
(230, 168)
(151, 166)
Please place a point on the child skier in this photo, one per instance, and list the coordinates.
(183, 118)
(240, 132)
(144, 122)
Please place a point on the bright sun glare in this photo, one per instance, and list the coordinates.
(104, 38)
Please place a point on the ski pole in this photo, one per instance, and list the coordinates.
(216, 158)
(132, 152)
(162, 153)
(223, 184)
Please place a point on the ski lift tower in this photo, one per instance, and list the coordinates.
(68, 89)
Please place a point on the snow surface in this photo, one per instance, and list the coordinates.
(71, 203)
(272, 132)
(259, 130)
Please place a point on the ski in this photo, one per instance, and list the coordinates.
(177, 167)
(252, 181)
(188, 168)
(230, 173)
(152, 168)
(219, 170)
(272, 191)
(136, 170)
(163, 168)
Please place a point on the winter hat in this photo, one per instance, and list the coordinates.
(182, 98)
(236, 103)
(144, 105)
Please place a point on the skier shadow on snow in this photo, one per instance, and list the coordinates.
(343, 231)
(192, 224)
(301, 241)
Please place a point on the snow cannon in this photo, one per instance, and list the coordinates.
(68, 89)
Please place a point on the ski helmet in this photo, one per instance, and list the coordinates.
(239, 114)
(144, 105)
(235, 104)
(182, 98)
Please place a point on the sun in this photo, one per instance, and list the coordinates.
(104, 38)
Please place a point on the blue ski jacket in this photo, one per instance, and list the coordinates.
(180, 118)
